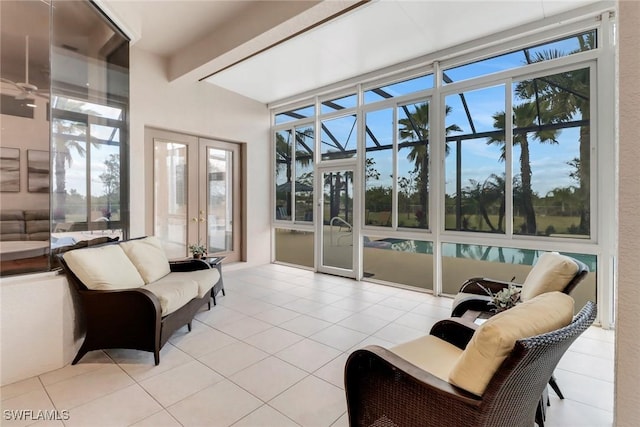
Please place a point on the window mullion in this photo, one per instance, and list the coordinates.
(508, 159)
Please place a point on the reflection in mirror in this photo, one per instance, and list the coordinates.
(65, 95)
(89, 104)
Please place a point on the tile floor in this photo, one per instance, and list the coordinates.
(271, 353)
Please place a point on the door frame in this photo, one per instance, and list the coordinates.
(352, 166)
(196, 154)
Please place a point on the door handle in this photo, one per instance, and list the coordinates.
(194, 219)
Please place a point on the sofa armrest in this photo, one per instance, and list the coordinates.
(381, 386)
(188, 265)
(125, 303)
(128, 317)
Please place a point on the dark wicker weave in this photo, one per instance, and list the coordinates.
(475, 285)
(131, 318)
(385, 390)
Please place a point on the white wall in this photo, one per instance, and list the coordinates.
(37, 326)
(201, 109)
(627, 379)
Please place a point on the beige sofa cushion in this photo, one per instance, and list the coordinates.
(551, 273)
(431, 354)
(204, 279)
(104, 268)
(148, 256)
(173, 294)
(494, 339)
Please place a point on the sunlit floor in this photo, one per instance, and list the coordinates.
(272, 353)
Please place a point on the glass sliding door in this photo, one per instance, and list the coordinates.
(338, 225)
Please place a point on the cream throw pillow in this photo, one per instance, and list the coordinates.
(104, 268)
(494, 339)
(551, 273)
(148, 256)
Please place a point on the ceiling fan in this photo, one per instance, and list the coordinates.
(26, 89)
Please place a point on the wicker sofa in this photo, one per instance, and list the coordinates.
(132, 296)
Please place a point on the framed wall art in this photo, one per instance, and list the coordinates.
(38, 169)
(9, 169)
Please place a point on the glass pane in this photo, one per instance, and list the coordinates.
(337, 248)
(539, 53)
(294, 247)
(474, 163)
(379, 167)
(220, 200)
(405, 87)
(404, 261)
(461, 262)
(338, 139)
(170, 196)
(105, 188)
(89, 104)
(551, 168)
(338, 104)
(284, 173)
(70, 143)
(413, 165)
(85, 107)
(297, 114)
(303, 193)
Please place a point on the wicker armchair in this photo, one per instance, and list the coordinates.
(383, 389)
(567, 272)
(473, 292)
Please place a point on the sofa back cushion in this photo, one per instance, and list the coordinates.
(148, 256)
(494, 339)
(104, 268)
(552, 272)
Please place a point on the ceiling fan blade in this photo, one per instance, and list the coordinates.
(10, 82)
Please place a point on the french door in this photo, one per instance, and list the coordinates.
(338, 215)
(195, 194)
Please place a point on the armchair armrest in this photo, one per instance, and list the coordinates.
(382, 387)
(188, 265)
(473, 294)
(456, 330)
(475, 285)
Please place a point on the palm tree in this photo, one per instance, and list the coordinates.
(415, 129)
(283, 156)
(486, 194)
(567, 95)
(68, 136)
(525, 116)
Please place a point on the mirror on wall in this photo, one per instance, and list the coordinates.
(64, 141)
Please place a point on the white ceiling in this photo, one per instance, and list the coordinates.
(369, 37)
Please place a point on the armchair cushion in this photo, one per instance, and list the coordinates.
(551, 273)
(494, 339)
(148, 257)
(430, 354)
(96, 268)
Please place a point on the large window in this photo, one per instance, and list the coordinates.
(495, 158)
